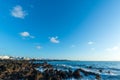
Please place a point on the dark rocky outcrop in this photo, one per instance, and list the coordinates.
(27, 70)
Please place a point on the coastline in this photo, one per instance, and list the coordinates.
(28, 70)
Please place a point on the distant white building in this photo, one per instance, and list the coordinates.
(26, 58)
(4, 57)
(17, 58)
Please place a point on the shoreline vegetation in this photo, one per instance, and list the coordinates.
(29, 70)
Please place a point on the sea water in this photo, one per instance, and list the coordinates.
(110, 69)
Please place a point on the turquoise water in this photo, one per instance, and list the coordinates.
(113, 67)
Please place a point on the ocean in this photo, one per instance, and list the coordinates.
(110, 70)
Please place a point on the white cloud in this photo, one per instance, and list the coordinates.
(90, 42)
(26, 34)
(18, 12)
(115, 48)
(54, 40)
(38, 47)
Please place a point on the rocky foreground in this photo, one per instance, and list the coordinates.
(28, 70)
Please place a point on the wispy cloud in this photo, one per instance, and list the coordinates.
(91, 42)
(92, 49)
(115, 48)
(54, 39)
(72, 46)
(18, 12)
(38, 47)
(26, 34)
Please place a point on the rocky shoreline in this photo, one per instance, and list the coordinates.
(28, 70)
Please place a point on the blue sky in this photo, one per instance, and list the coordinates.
(60, 29)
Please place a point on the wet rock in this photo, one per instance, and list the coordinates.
(76, 74)
(98, 77)
(100, 71)
(2, 68)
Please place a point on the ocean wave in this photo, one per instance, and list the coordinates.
(107, 70)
